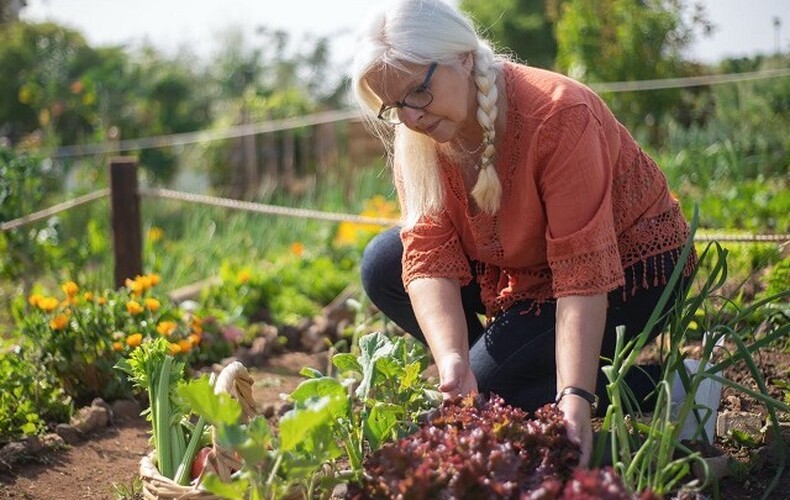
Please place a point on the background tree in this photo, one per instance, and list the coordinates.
(40, 64)
(618, 40)
(519, 26)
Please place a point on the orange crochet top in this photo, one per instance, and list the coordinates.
(581, 202)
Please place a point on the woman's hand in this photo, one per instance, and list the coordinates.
(579, 424)
(455, 376)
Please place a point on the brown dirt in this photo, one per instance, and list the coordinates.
(106, 465)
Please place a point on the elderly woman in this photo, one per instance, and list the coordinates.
(523, 199)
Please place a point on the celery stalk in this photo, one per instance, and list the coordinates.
(182, 473)
(162, 420)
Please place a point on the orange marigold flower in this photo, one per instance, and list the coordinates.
(134, 339)
(185, 345)
(35, 299)
(145, 282)
(101, 301)
(297, 248)
(196, 325)
(134, 286)
(152, 304)
(134, 307)
(166, 327)
(70, 288)
(155, 279)
(48, 304)
(117, 346)
(59, 322)
(173, 349)
(194, 339)
(88, 296)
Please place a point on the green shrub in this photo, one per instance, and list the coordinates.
(30, 397)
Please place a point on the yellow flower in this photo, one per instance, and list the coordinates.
(379, 207)
(185, 345)
(134, 339)
(35, 299)
(166, 327)
(155, 279)
(145, 282)
(134, 286)
(117, 346)
(70, 288)
(48, 304)
(155, 234)
(297, 248)
(101, 301)
(152, 304)
(194, 339)
(173, 349)
(88, 296)
(346, 233)
(243, 276)
(134, 307)
(59, 322)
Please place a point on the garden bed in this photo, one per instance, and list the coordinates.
(105, 464)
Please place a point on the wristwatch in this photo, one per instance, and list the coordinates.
(576, 391)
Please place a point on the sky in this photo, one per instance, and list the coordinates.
(744, 27)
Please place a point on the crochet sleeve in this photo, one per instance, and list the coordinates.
(431, 248)
(575, 180)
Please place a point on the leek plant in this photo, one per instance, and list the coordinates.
(650, 455)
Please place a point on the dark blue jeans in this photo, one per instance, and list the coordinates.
(514, 355)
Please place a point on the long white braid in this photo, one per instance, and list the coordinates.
(487, 191)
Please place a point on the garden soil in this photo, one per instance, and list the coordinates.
(105, 465)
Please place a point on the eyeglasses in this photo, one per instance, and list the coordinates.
(417, 98)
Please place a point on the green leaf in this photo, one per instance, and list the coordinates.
(380, 422)
(28, 428)
(411, 376)
(389, 368)
(251, 441)
(310, 372)
(338, 403)
(297, 425)
(372, 347)
(232, 491)
(346, 362)
(743, 438)
(217, 409)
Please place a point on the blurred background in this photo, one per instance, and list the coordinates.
(249, 100)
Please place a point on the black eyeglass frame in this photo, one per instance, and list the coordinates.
(423, 87)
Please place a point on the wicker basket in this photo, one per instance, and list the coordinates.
(220, 461)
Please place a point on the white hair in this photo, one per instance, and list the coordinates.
(423, 32)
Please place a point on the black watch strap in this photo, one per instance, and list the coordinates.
(576, 391)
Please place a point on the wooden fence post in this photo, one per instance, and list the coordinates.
(125, 218)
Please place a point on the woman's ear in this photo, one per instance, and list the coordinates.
(468, 61)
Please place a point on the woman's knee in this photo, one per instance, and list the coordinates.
(381, 266)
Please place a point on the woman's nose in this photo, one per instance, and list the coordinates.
(410, 116)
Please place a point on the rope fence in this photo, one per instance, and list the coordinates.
(202, 136)
(263, 208)
(247, 206)
(53, 210)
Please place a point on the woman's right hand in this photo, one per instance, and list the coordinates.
(455, 376)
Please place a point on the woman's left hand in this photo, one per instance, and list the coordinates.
(579, 424)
